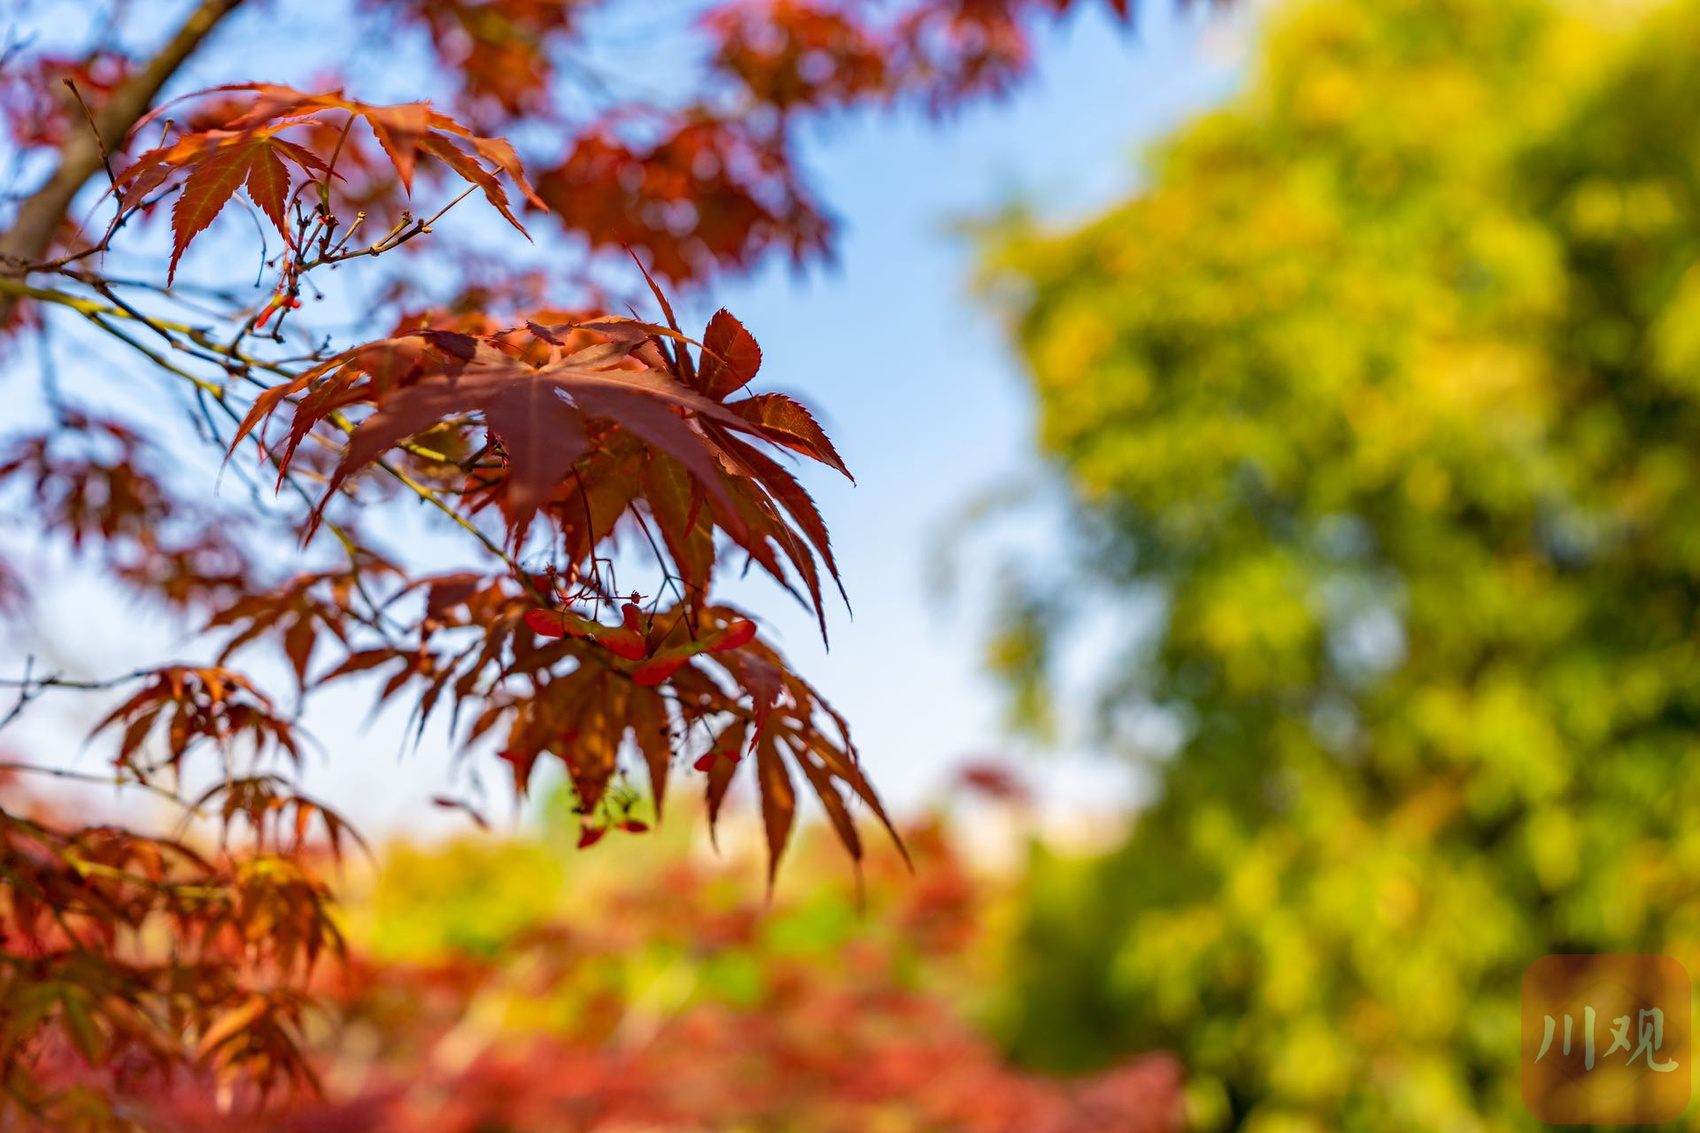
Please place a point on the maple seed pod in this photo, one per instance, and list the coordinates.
(656, 670)
(546, 623)
(737, 634)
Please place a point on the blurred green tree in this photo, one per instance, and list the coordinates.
(1388, 388)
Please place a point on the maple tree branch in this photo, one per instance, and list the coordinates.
(42, 212)
(97, 313)
(30, 686)
(404, 230)
(153, 355)
(432, 498)
(13, 289)
(684, 600)
(103, 780)
(80, 686)
(88, 116)
(228, 357)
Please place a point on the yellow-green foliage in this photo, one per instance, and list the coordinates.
(1391, 380)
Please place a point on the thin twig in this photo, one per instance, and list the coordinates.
(100, 143)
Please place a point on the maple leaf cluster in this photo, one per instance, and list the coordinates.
(39, 109)
(248, 151)
(708, 181)
(100, 484)
(599, 424)
(531, 412)
(564, 434)
(82, 988)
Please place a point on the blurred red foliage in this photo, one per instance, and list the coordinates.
(856, 1032)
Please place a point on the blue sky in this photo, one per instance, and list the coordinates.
(918, 383)
(913, 377)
